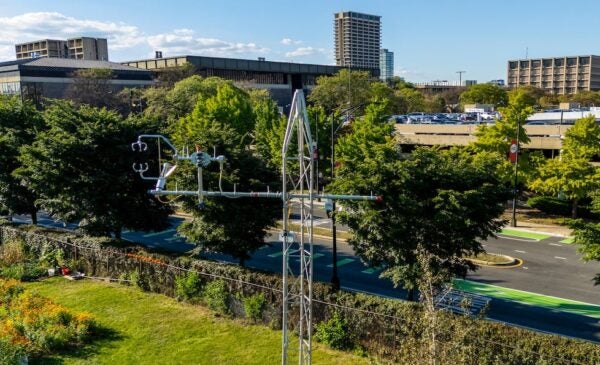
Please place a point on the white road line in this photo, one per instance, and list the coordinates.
(555, 244)
(525, 268)
(560, 258)
(519, 251)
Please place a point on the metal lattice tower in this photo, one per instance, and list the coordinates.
(297, 287)
(297, 282)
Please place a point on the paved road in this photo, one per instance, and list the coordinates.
(549, 267)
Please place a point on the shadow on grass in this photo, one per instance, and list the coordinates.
(101, 338)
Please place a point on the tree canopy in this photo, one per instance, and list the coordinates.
(224, 124)
(572, 174)
(81, 168)
(19, 124)
(438, 201)
(484, 94)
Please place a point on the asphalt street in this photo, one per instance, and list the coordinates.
(549, 267)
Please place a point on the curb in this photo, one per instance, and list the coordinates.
(513, 261)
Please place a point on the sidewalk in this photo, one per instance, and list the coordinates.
(549, 229)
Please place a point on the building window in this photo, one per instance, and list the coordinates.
(524, 64)
(558, 62)
(10, 88)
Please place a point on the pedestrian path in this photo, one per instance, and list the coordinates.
(524, 297)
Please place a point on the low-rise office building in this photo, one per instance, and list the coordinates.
(37, 78)
(557, 75)
(279, 78)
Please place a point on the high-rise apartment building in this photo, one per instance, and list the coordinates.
(357, 39)
(82, 48)
(386, 64)
(558, 75)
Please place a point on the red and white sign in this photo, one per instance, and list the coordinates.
(514, 150)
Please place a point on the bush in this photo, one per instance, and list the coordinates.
(335, 333)
(188, 287)
(10, 353)
(556, 206)
(253, 306)
(12, 252)
(216, 296)
(139, 280)
(24, 271)
(36, 324)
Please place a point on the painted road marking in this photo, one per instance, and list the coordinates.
(556, 244)
(546, 301)
(568, 240)
(560, 258)
(525, 268)
(517, 239)
(342, 262)
(159, 233)
(276, 254)
(522, 234)
(371, 270)
(519, 251)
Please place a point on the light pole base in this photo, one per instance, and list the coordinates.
(335, 283)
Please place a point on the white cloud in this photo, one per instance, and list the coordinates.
(184, 41)
(304, 51)
(289, 42)
(40, 25)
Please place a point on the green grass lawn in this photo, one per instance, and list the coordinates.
(145, 328)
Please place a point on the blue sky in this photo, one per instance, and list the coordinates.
(432, 39)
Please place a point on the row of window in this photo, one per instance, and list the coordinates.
(10, 88)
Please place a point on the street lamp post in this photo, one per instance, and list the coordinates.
(514, 202)
(335, 279)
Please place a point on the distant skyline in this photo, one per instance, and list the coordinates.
(431, 39)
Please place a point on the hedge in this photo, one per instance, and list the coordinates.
(555, 206)
(392, 330)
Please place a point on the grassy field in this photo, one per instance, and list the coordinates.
(144, 328)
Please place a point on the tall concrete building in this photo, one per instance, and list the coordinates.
(386, 64)
(82, 48)
(53, 48)
(558, 75)
(357, 39)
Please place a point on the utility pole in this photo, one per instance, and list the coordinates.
(460, 77)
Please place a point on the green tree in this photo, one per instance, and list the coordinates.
(484, 94)
(531, 95)
(19, 123)
(496, 138)
(412, 99)
(269, 128)
(440, 201)
(346, 89)
(81, 169)
(223, 124)
(587, 235)
(572, 174)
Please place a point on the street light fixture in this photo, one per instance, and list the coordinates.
(330, 207)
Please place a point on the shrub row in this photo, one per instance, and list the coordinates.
(391, 330)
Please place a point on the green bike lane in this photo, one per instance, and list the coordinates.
(524, 297)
